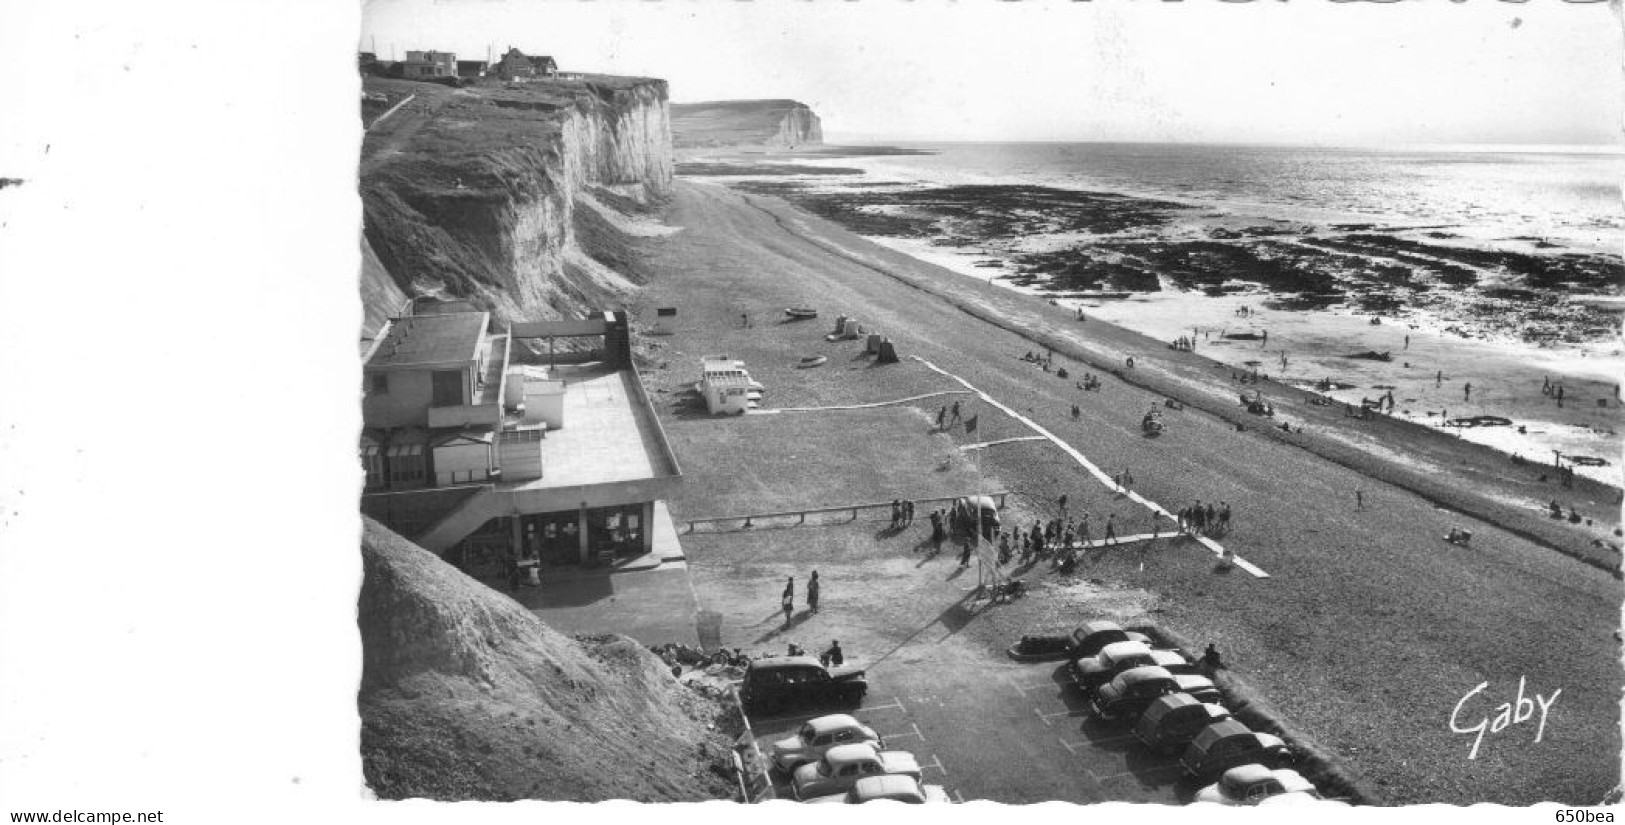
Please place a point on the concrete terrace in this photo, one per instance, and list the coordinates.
(608, 434)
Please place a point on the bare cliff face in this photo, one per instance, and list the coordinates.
(502, 194)
(771, 123)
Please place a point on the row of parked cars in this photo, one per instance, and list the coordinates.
(832, 758)
(1173, 707)
(836, 758)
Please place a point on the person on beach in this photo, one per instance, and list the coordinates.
(1560, 395)
(787, 601)
(812, 592)
(744, 319)
(1111, 530)
(1210, 659)
(964, 554)
(942, 415)
(1076, 413)
(1407, 342)
(1265, 341)
(1210, 517)
(1224, 515)
(908, 513)
(896, 512)
(1467, 391)
(1083, 531)
(835, 655)
(1438, 379)
(955, 413)
(1359, 499)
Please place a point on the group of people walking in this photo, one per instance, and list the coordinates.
(1206, 520)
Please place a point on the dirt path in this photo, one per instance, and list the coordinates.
(1370, 629)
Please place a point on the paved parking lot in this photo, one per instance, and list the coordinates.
(1009, 733)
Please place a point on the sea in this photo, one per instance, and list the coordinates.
(1566, 195)
(1534, 202)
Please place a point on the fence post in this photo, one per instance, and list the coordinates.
(803, 518)
(747, 522)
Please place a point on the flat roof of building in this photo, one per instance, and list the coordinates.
(608, 434)
(430, 339)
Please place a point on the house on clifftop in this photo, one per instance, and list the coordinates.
(515, 65)
(430, 64)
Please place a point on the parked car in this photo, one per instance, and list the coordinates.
(1170, 722)
(1033, 648)
(1251, 784)
(1300, 798)
(819, 735)
(1118, 657)
(798, 681)
(1125, 697)
(843, 765)
(893, 787)
(1091, 636)
(1224, 745)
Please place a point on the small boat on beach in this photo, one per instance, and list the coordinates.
(812, 361)
(1371, 355)
(799, 313)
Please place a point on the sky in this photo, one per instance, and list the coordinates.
(1301, 71)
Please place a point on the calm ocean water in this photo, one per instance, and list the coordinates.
(1568, 197)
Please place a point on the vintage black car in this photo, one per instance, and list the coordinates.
(1090, 637)
(1124, 698)
(1172, 721)
(786, 682)
(1225, 745)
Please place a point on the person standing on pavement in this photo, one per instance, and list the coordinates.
(1111, 530)
(812, 592)
(787, 602)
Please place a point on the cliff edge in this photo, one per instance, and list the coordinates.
(466, 695)
(772, 123)
(512, 196)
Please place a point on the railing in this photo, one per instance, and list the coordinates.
(854, 509)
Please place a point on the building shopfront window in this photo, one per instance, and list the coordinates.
(617, 530)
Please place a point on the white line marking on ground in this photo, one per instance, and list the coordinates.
(1099, 778)
(936, 762)
(1042, 717)
(1098, 473)
(890, 736)
(983, 444)
(870, 406)
(896, 704)
(1070, 749)
(1048, 716)
(961, 799)
(916, 727)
